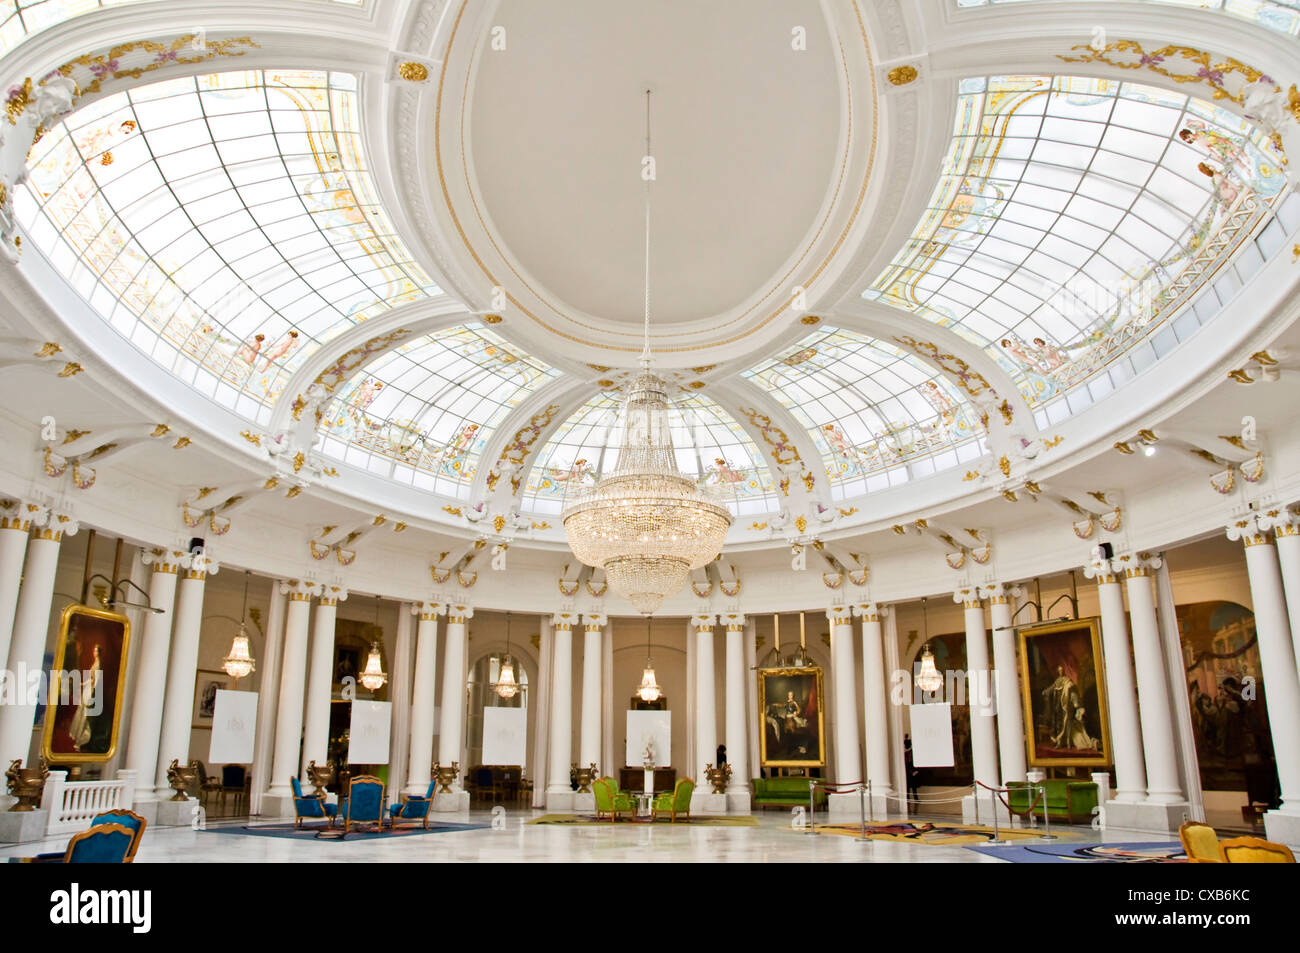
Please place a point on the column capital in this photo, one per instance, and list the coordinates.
(166, 559)
(1104, 570)
(1280, 519)
(428, 611)
(1136, 565)
(839, 615)
(332, 595)
(459, 614)
(201, 566)
(594, 620)
(870, 611)
(298, 590)
(968, 598)
(734, 621)
(703, 621)
(999, 594)
(17, 514)
(565, 620)
(52, 523)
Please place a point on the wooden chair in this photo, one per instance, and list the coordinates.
(1200, 843)
(1255, 850)
(128, 819)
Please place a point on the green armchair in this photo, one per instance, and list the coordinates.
(679, 802)
(610, 800)
(1069, 801)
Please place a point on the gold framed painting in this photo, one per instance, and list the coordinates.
(87, 684)
(790, 711)
(1063, 688)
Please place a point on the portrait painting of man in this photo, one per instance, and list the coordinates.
(790, 708)
(1064, 694)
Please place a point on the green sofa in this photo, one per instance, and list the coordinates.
(784, 792)
(1069, 801)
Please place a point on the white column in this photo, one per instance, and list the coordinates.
(182, 664)
(751, 693)
(875, 694)
(31, 627)
(979, 685)
(1287, 530)
(1011, 721)
(706, 702)
(559, 795)
(1121, 691)
(268, 670)
(399, 695)
(737, 724)
(320, 678)
(452, 730)
(1158, 738)
(848, 760)
(153, 648)
(293, 678)
(15, 524)
(426, 672)
(589, 742)
(1277, 662)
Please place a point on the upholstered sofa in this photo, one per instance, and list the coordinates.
(784, 792)
(1069, 801)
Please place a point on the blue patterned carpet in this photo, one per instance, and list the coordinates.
(309, 832)
(1128, 853)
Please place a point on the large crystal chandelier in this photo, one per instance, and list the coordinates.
(646, 524)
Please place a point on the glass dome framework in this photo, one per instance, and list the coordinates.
(226, 225)
(709, 445)
(1058, 190)
(1280, 16)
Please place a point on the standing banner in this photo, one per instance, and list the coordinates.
(368, 734)
(234, 727)
(505, 736)
(649, 732)
(932, 735)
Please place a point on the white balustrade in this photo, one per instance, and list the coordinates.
(72, 805)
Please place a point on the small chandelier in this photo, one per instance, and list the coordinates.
(373, 677)
(646, 524)
(239, 663)
(649, 690)
(506, 685)
(928, 679)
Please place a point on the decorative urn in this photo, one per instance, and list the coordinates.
(321, 776)
(584, 777)
(180, 777)
(446, 776)
(718, 777)
(27, 784)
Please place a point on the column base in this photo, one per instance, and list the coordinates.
(148, 810)
(706, 802)
(178, 813)
(20, 827)
(453, 803)
(1145, 816)
(416, 790)
(277, 805)
(984, 815)
(1282, 828)
(561, 802)
(583, 803)
(738, 802)
(844, 806)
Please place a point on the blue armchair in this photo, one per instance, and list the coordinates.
(365, 803)
(413, 808)
(311, 807)
(128, 819)
(101, 844)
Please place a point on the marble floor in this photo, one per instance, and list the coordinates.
(772, 840)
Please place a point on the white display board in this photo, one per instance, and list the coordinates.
(234, 726)
(931, 735)
(643, 727)
(368, 734)
(505, 736)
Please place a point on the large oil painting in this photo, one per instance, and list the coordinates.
(790, 703)
(1063, 681)
(86, 687)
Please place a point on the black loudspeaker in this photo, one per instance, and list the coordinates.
(1107, 550)
(197, 543)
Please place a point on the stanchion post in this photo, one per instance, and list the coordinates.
(812, 806)
(975, 796)
(997, 840)
(872, 804)
(862, 812)
(1047, 820)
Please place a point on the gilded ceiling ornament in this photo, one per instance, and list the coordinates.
(1253, 470)
(848, 512)
(1224, 482)
(809, 319)
(19, 98)
(783, 450)
(73, 435)
(758, 526)
(1053, 442)
(160, 430)
(49, 349)
(1234, 439)
(801, 523)
(696, 385)
(492, 319)
(1112, 521)
(973, 383)
(1264, 358)
(181, 443)
(413, 72)
(106, 67)
(970, 475)
(600, 368)
(270, 484)
(71, 369)
(83, 478)
(498, 522)
(542, 525)
(1100, 497)
(1010, 496)
(206, 491)
(299, 459)
(568, 592)
(832, 580)
(1084, 528)
(703, 369)
(902, 75)
(1005, 466)
(292, 492)
(1005, 410)
(254, 438)
(101, 450)
(453, 510)
(596, 592)
(604, 382)
(1240, 376)
(1123, 447)
(1182, 64)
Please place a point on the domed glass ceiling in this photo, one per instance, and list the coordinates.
(1074, 216)
(877, 414)
(422, 413)
(22, 18)
(227, 225)
(1280, 15)
(710, 446)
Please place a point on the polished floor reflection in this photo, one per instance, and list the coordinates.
(772, 840)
